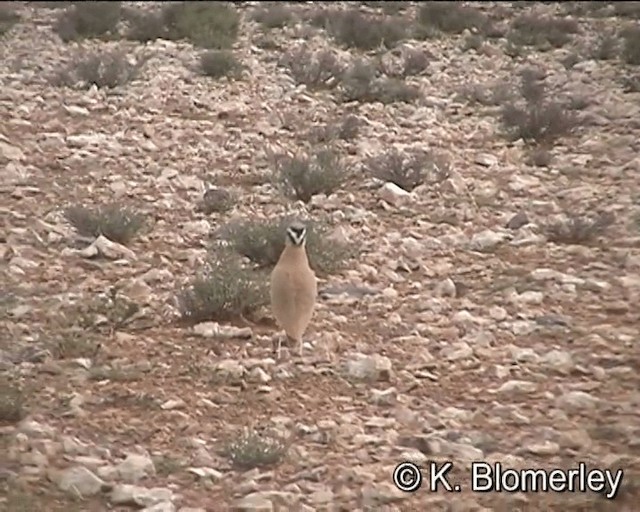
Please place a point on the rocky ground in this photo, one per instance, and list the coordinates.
(464, 331)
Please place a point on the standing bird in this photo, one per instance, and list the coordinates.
(293, 288)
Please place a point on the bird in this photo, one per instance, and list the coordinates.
(293, 288)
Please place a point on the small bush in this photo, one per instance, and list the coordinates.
(579, 230)
(303, 176)
(107, 69)
(273, 15)
(606, 47)
(117, 223)
(626, 9)
(356, 30)
(489, 95)
(212, 25)
(219, 63)
(8, 18)
(407, 170)
(414, 62)
(450, 17)
(146, 25)
(263, 241)
(631, 50)
(316, 70)
(539, 120)
(542, 32)
(630, 83)
(12, 408)
(216, 200)
(253, 450)
(224, 290)
(74, 344)
(88, 20)
(346, 129)
(360, 83)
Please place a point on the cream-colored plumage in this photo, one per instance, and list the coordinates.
(293, 287)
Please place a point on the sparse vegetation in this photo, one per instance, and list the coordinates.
(212, 25)
(578, 229)
(539, 119)
(8, 18)
(12, 402)
(542, 32)
(219, 63)
(630, 83)
(631, 50)
(360, 82)
(362, 32)
(263, 241)
(254, 450)
(216, 200)
(605, 48)
(305, 175)
(89, 20)
(316, 70)
(406, 169)
(346, 128)
(492, 94)
(273, 15)
(117, 223)
(75, 343)
(146, 25)
(224, 290)
(449, 17)
(105, 70)
(414, 62)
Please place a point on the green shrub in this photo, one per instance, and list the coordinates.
(263, 242)
(303, 176)
(222, 291)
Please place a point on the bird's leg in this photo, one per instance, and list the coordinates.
(277, 345)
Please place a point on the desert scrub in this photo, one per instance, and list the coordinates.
(353, 29)
(316, 69)
(223, 290)
(263, 241)
(407, 169)
(346, 128)
(304, 175)
(579, 229)
(12, 402)
(145, 25)
(360, 82)
(539, 119)
(8, 18)
(449, 17)
(89, 20)
(106, 70)
(272, 15)
(542, 32)
(219, 63)
(116, 222)
(212, 25)
(631, 49)
(255, 450)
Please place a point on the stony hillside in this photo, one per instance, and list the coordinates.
(469, 175)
